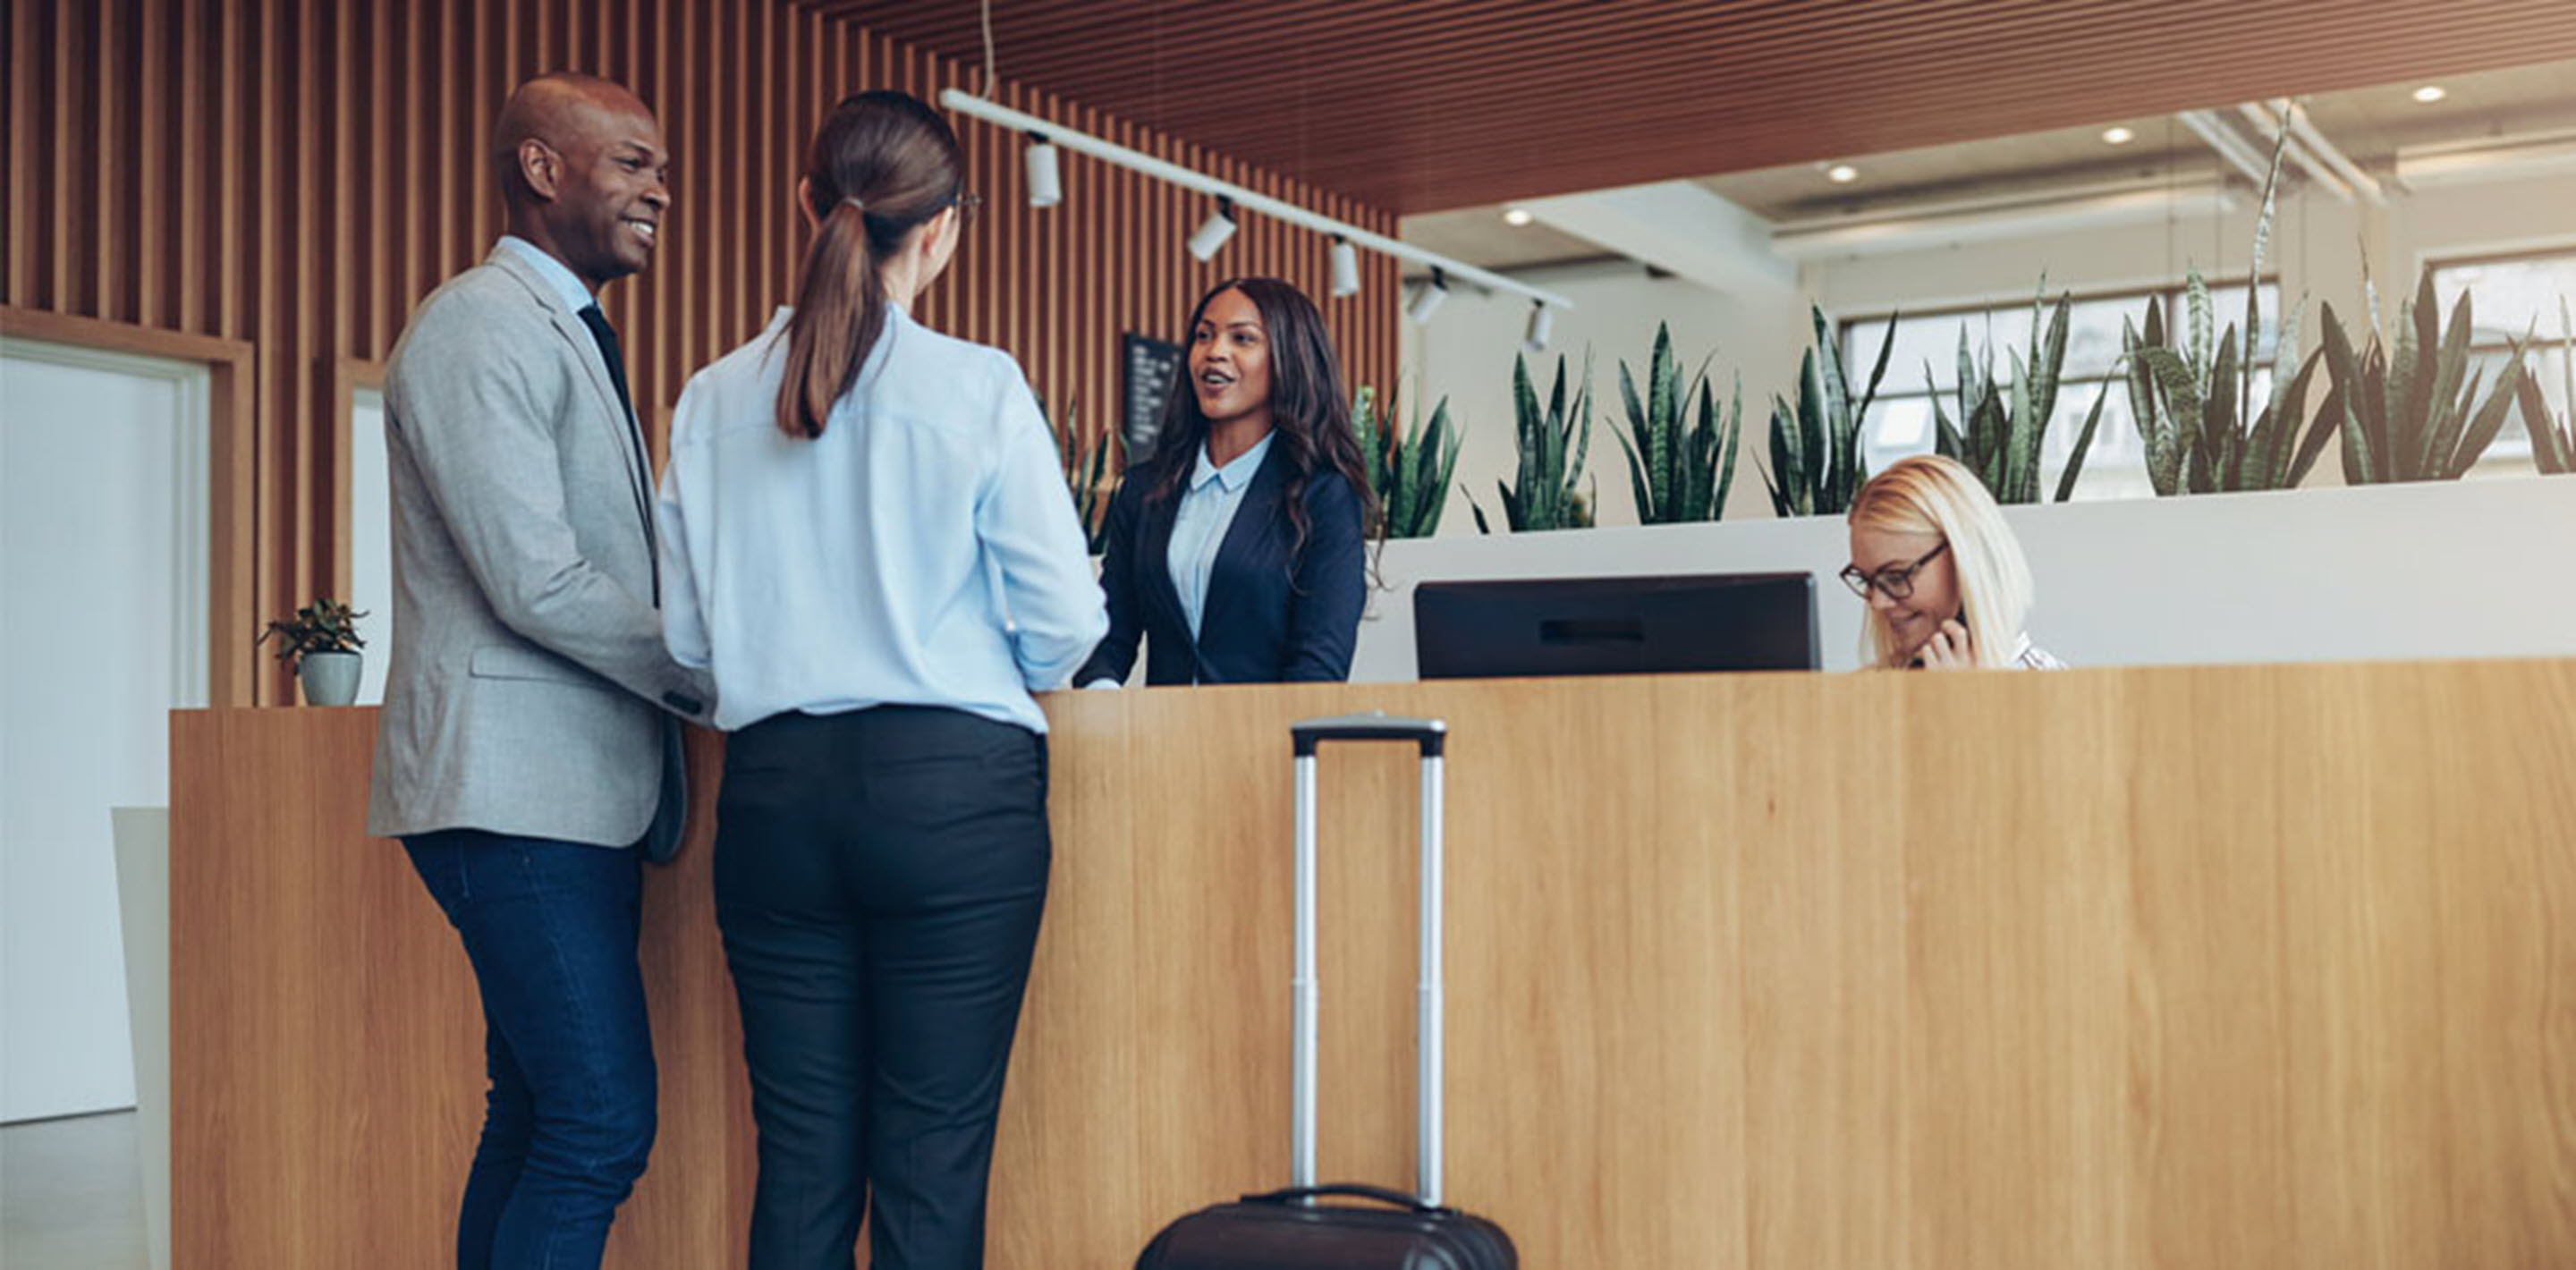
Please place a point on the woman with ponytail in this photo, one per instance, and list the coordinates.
(1238, 552)
(869, 547)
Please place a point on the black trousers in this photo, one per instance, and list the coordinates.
(879, 876)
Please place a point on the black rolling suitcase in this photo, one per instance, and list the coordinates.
(1293, 1229)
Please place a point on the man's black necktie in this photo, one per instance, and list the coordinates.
(606, 336)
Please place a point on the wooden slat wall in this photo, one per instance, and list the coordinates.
(297, 174)
(1438, 104)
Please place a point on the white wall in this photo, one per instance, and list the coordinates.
(371, 541)
(2383, 572)
(102, 631)
(2317, 249)
(142, 837)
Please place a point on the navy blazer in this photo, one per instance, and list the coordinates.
(1268, 619)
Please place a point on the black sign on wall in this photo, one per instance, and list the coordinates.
(1147, 369)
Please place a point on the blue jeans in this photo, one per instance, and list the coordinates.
(551, 929)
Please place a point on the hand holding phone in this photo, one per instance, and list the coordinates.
(1948, 649)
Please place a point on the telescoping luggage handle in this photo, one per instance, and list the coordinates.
(1429, 735)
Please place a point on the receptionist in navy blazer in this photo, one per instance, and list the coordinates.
(1239, 552)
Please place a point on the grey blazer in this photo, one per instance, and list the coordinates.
(528, 687)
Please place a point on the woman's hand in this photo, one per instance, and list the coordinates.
(1949, 648)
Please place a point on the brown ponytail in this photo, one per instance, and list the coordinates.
(881, 166)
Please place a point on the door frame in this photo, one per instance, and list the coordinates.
(349, 377)
(232, 569)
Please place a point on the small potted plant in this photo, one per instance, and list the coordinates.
(321, 643)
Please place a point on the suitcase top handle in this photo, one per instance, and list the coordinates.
(1376, 725)
(1351, 1190)
(1429, 734)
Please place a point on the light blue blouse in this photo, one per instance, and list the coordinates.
(1198, 528)
(922, 551)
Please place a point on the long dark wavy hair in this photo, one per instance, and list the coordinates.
(1310, 407)
(881, 165)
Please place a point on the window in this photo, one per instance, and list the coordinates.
(2511, 297)
(1927, 360)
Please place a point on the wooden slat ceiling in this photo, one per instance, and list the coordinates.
(1437, 104)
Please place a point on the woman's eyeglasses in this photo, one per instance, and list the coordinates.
(968, 205)
(1896, 583)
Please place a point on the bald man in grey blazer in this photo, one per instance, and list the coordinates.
(528, 751)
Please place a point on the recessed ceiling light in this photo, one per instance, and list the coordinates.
(1842, 174)
(2431, 93)
(2119, 136)
(1517, 216)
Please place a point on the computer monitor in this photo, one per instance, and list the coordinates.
(1615, 626)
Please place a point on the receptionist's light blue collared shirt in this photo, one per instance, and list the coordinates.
(1198, 528)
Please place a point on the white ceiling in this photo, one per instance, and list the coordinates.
(2368, 125)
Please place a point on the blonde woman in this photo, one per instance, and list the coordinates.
(1944, 579)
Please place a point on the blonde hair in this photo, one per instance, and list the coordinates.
(1929, 494)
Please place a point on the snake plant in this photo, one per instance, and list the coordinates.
(2196, 410)
(2414, 413)
(1817, 461)
(1410, 468)
(1543, 494)
(2001, 426)
(1084, 453)
(2553, 447)
(1678, 468)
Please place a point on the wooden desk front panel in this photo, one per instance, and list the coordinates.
(2181, 967)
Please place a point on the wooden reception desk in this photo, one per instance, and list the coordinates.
(2269, 966)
